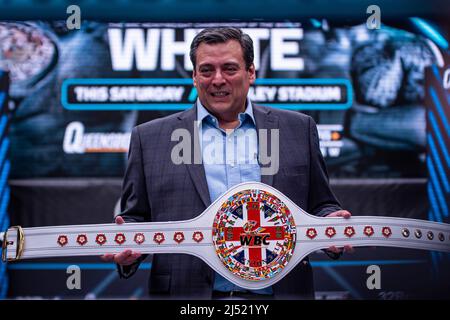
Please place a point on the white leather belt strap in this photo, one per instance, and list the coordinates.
(98, 239)
(253, 235)
(181, 237)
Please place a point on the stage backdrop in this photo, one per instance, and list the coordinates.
(76, 95)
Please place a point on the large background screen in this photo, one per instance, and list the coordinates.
(77, 95)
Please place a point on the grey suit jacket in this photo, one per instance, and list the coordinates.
(155, 189)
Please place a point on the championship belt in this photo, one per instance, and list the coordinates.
(252, 235)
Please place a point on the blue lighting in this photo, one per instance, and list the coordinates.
(431, 32)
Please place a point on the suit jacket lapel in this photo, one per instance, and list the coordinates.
(265, 119)
(195, 169)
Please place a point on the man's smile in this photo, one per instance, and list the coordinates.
(219, 94)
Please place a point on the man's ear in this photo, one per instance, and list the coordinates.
(252, 73)
(194, 74)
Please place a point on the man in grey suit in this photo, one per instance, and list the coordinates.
(157, 187)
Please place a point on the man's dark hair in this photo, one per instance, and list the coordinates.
(222, 35)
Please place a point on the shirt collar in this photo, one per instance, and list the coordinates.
(203, 113)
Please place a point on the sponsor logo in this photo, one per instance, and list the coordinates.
(76, 140)
(330, 137)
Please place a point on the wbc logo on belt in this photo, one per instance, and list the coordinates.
(254, 234)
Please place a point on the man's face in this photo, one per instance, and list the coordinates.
(221, 78)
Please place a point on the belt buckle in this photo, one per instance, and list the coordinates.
(19, 244)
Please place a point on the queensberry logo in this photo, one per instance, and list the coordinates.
(77, 141)
(180, 94)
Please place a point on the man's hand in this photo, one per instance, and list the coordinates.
(345, 214)
(126, 257)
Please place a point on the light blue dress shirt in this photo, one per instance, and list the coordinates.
(229, 158)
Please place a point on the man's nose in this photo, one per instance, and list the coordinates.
(218, 79)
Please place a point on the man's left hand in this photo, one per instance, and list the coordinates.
(347, 248)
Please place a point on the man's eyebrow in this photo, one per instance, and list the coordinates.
(205, 65)
(232, 64)
(210, 65)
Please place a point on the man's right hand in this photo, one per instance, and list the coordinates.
(126, 257)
